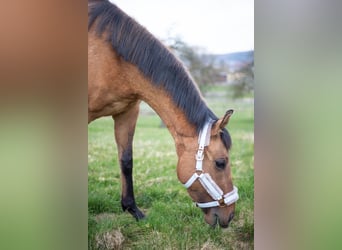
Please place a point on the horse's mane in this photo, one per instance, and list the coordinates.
(139, 47)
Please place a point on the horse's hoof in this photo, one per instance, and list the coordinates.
(137, 214)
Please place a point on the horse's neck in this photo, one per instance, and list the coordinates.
(173, 117)
(162, 103)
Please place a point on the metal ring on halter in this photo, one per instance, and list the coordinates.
(221, 202)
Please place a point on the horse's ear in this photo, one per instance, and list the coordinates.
(221, 123)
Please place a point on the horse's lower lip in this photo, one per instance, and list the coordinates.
(224, 225)
(217, 221)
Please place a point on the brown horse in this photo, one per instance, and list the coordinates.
(126, 64)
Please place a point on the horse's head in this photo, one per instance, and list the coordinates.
(204, 169)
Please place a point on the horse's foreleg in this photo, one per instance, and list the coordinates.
(124, 132)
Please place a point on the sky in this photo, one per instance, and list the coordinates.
(217, 26)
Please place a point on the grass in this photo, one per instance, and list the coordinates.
(172, 222)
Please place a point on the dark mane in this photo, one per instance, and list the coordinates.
(136, 45)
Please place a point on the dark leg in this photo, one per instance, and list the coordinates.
(124, 132)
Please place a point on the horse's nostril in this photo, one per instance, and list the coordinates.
(231, 216)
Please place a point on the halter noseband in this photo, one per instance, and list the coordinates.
(220, 199)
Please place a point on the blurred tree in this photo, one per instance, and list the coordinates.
(244, 81)
(206, 69)
(200, 65)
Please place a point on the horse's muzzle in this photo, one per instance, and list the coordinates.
(214, 218)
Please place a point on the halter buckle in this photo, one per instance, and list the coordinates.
(200, 155)
(221, 202)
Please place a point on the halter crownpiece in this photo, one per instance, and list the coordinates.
(220, 199)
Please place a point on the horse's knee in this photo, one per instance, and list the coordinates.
(127, 165)
(126, 161)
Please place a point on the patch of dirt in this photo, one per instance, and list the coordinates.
(242, 245)
(209, 245)
(110, 240)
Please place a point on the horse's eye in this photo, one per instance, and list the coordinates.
(221, 163)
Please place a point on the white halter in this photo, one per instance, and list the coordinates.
(207, 182)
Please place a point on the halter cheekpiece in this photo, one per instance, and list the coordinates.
(220, 199)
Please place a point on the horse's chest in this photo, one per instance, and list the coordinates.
(108, 105)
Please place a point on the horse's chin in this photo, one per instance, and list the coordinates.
(214, 217)
(211, 219)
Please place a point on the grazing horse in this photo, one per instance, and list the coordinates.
(126, 64)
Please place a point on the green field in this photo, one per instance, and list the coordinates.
(173, 222)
